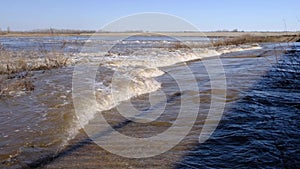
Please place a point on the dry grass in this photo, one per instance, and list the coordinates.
(19, 61)
(16, 67)
(12, 62)
(248, 39)
(239, 40)
(180, 45)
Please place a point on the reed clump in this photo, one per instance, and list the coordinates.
(19, 61)
(17, 67)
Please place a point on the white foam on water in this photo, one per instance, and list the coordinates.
(135, 72)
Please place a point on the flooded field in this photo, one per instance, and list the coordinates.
(40, 129)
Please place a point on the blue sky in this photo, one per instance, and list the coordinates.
(206, 15)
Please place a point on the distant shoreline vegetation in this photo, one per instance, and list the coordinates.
(218, 33)
(223, 37)
(45, 31)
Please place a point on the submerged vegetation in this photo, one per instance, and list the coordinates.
(16, 67)
(20, 61)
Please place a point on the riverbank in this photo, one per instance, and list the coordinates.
(172, 34)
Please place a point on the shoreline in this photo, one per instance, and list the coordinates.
(184, 34)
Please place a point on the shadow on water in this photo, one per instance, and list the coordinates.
(49, 158)
(261, 129)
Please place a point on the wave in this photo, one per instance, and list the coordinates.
(132, 74)
(136, 69)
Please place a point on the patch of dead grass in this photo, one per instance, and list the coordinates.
(248, 39)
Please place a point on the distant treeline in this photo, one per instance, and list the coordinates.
(47, 31)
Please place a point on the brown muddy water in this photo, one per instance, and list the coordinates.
(259, 128)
